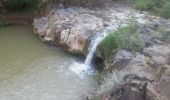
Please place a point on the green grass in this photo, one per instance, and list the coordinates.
(124, 38)
(145, 4)
(158, 7)
(113, 81)
(99, 76)
(159, 34)
(165, 12)
(95, 98)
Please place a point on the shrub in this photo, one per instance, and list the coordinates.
(147, 4)
(159, 34)
(142, 4)
(158, 7)
(125, 38)
(21, 5)
(166, 10)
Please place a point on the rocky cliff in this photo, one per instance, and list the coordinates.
(68, 29)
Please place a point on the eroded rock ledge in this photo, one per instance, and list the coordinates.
(68, 29)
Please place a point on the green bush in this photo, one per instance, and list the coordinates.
(125, 38)
(159, 34)
(166, 10)
(21, 5)
(147, 4)
(158, 7)
(143, 4)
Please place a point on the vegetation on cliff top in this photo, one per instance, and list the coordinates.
(159, 7)
(124, 38)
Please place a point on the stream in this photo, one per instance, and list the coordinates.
(32, 70)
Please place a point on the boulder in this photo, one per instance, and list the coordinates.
(68, 29)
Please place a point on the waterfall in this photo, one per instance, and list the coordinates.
(119, 19)
(86, 68)
(96, 41)
(93, 46)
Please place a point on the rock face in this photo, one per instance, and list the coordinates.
(147, 75)
(158, 53)
(147, 71)
(68, 29)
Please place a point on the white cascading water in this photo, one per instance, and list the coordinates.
(118, 19)
(85, 68)
(98, 38)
